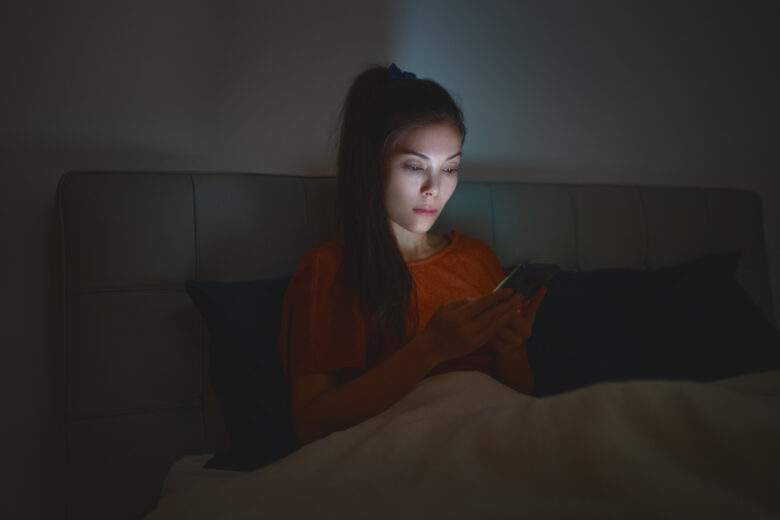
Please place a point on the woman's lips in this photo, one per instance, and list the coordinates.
(425, 211)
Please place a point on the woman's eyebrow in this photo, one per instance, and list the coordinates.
(412, 152)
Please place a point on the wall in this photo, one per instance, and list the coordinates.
(652, 93)
(662, 93)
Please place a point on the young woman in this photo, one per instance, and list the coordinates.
(386, 304)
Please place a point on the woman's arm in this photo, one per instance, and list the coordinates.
(512, 369)
(367, 395)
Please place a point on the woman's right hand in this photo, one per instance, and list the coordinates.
(460, 327)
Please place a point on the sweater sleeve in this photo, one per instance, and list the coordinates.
(320, 331)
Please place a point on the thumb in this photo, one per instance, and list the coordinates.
(536, 301)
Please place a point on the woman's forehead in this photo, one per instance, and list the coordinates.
(439, 139)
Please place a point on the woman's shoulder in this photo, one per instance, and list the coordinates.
(478, 253)
(321, 260)
(327, 251)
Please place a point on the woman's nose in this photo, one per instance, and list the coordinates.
(430, 188)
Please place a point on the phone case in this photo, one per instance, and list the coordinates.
(526, 279)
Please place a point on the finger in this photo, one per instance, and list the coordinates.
(522, 327)
(500, 341)
(519, 323)
(519, 329)
(540, 295)
(489, 322)
(534, 304)
(504, 336)
(480, 305)
(463, 302)
(507, 341)
(458, 303)
(512, 337)
(455, 304)
(501, 346)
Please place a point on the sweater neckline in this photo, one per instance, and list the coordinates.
(454, 240)
(452, 236)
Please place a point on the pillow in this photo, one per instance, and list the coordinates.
(710, 327)
(243, 321)
(691, 321)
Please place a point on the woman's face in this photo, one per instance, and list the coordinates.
(422, 172)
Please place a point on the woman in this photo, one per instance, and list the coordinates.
(370, 314)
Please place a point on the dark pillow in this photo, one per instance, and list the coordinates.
(243, 323)
(691, 321)
(710, 326)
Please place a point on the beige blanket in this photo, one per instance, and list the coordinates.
(462, 445)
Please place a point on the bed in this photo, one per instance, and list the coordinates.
(142, 418)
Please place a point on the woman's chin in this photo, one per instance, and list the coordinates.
(423, 228)
(418, 226)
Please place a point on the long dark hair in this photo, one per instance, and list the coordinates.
(375, 114)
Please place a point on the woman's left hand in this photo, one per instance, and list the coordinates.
(512, 338)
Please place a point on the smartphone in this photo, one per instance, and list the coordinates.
(526, 279)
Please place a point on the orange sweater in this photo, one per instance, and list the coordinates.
(322, 333)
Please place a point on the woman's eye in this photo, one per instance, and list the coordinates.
(450, 171)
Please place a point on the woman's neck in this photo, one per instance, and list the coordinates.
(429, 245)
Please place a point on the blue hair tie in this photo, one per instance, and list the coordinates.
(394, 73)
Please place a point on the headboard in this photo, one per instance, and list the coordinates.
(136, 372)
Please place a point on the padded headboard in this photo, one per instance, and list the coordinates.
(138, 396)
